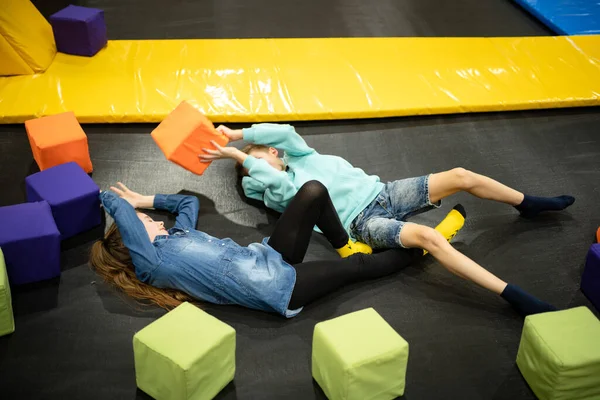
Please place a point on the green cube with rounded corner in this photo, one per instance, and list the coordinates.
(359, 356)
(559, 354)
(7, 322)
(186, 354)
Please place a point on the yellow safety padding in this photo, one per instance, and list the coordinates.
(10, 62)
(28, 33)
(301, 79)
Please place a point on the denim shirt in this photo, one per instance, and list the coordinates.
(218, 271)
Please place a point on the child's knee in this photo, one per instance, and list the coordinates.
(313, 188)
(464, 178)
(423, 237)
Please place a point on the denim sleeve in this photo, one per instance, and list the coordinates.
(184, 207)
(143, 253)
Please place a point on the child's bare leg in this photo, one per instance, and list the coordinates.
(415, 235)
(444, 184)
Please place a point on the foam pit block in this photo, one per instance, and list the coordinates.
(30, 241)
(79, 30)
(359, 356)
(183, 134)
(185, 354)
(12, 63)
(559, 355)
(72, 195)
(26, 42)
(58, 139)
(7, 322)
(590, 280)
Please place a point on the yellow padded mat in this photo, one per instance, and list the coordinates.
(300, 79)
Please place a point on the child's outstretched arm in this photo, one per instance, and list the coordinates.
(143, 253)
(121, 202)
(281, 136)
(264, 182)
(185, 208)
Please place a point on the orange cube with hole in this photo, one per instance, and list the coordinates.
(183, 134)
(58, 139)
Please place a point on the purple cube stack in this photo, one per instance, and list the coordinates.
(30, 241)
(71, 194)
(590, 281)
(79, 30)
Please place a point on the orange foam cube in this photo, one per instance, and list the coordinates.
(183, 134)
(58, 139)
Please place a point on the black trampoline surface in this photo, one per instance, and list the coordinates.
(222, 19)
(73, 337)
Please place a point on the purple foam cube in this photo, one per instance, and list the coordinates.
(590, 280)
(30, 241)
(79, 30)
(72, 195)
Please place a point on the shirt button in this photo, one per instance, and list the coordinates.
(209, 241)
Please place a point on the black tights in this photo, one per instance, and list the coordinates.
(312, 206)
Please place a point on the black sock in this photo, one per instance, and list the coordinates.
(523, 302)
(532, 206)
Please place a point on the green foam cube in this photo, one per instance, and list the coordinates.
(359, 356)
(185, 354)
(7, 322)
(559, 354)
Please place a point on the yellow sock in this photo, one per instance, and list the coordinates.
(453, 223)
(353, 248)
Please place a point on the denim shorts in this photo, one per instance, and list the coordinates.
(380, 223)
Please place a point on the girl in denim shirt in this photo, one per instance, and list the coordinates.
(167, 267)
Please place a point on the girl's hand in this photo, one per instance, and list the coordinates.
(135, 199)
(222, 152)
(232, 134)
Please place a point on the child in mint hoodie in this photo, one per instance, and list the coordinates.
(374, 212)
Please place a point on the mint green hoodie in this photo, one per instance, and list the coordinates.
(350, 188)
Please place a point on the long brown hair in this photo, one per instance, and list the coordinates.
(111, 260)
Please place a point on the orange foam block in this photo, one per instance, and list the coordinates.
(58, 139)
(183, 134)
